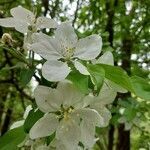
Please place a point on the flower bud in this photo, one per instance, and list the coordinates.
(7, 39)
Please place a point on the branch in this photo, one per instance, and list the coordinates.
(46, 6)
(37, 78)
(76, 13)
(2, 64)
(13, 79)
(6, 2)
(53, 11)
(22, 92)
(5, 81)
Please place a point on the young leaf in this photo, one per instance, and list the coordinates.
(12, 138)
(79, 80)
(97, 74)
(117, 75)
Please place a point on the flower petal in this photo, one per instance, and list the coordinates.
(26, 113)
(19, 25)
(56, 144)
(47, 99)
(106, 58)
(55, 70)
(22, 14)
(88, 48)
(66, 35)
(46, 46)
(42, 147)
(45, 126)
(52, 43)
(44, 50)
(17, 124)
(81, 68)
(87, 134)
(106, 95)
(69, 134)
(88, 115)
(104, 112)
(87, 100)
(43, 22)
(71, 95)
(7, 22)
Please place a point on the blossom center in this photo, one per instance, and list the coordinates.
(64, 113)
(68, 52)
(32, 28)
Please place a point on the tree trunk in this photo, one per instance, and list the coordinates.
(109, 28)
(123, 142)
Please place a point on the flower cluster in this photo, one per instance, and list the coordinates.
(69, 113)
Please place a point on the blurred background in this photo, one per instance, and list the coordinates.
(125, 29)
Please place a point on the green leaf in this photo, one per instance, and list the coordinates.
(135, 84)
(141, 87)
(32, 118)
(79, 80)
(12, 138)
(97, 74)
(130, 113)
(50, 138)
(117, 75)
(114, 119)
(26, 75)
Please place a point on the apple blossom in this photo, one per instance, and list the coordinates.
(24, 20)
(65, 49)
(105, 97)
(66, 116)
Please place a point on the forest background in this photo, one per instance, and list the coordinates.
(124, 27)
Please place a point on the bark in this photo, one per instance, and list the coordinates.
(110, 29)
(124, 136)
(111, 137)
(123, 141)
(7, 120)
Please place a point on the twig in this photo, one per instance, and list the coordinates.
(46, 6)
(76, 13)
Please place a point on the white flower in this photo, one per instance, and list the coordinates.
(65, 48)
(38, 144)
(65, 115)
(106, 96)
(42, 147)
(24, 20)
(56, 144)
(107, 93)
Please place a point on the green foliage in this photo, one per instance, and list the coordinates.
(124, 34)
(33, 117)
(12, 138)
(97, 74)
(141, 87)
(117, 75)
(79, 80)
(26, 75)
